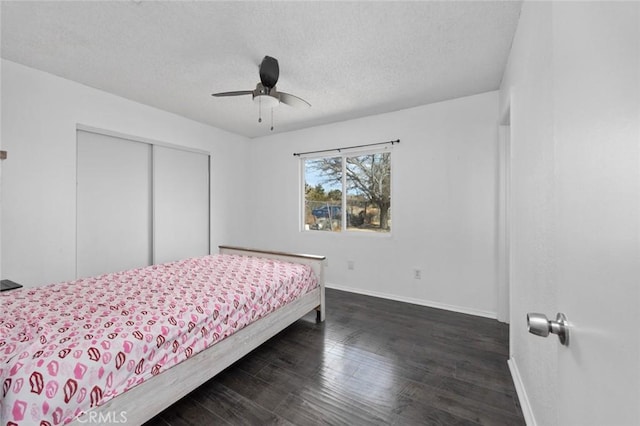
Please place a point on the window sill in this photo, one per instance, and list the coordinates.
(350, 234)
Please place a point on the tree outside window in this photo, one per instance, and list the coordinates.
(365, 181)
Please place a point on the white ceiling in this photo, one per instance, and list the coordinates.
(348, 59)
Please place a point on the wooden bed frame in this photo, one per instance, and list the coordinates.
(151, 397)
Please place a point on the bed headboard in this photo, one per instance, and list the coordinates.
(316, 262)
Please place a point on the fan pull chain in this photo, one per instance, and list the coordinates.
(260, 109)
(272, 119)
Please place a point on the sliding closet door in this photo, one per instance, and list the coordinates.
(180, 204)
(113, 204)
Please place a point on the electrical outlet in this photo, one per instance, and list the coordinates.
(350, 265)
(417, 274)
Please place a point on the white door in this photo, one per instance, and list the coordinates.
(113, 204)
(597, 137)
(180, 204)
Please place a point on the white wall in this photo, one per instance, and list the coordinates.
(443, 207)
(1, 161)
(39, 116)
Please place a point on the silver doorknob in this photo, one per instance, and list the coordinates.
(539, 325)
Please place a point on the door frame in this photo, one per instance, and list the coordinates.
(503, 207)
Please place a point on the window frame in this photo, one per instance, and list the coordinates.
(343, 154)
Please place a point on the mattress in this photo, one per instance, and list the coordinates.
(67, 347)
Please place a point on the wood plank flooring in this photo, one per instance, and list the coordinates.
(373, 361)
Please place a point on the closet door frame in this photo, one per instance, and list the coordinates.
(152, 143)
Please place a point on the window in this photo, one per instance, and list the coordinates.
(349, 192)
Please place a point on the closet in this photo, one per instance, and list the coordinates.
(138, 203)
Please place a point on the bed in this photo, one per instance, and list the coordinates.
(88, 354)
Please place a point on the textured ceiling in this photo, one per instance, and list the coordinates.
(348, 59)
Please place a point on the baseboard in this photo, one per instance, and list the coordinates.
(522, 393)
(431, 304)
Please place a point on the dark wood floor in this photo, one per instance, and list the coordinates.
(373, 361)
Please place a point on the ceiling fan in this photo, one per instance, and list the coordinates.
(265, 92)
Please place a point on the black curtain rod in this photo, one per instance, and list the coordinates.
(297, 154)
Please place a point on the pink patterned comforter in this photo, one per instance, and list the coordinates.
(67, 347)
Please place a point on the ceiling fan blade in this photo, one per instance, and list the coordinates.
(292, 100)
(269, 72)
(236, 93)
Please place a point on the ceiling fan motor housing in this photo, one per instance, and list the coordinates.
(269, 72)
